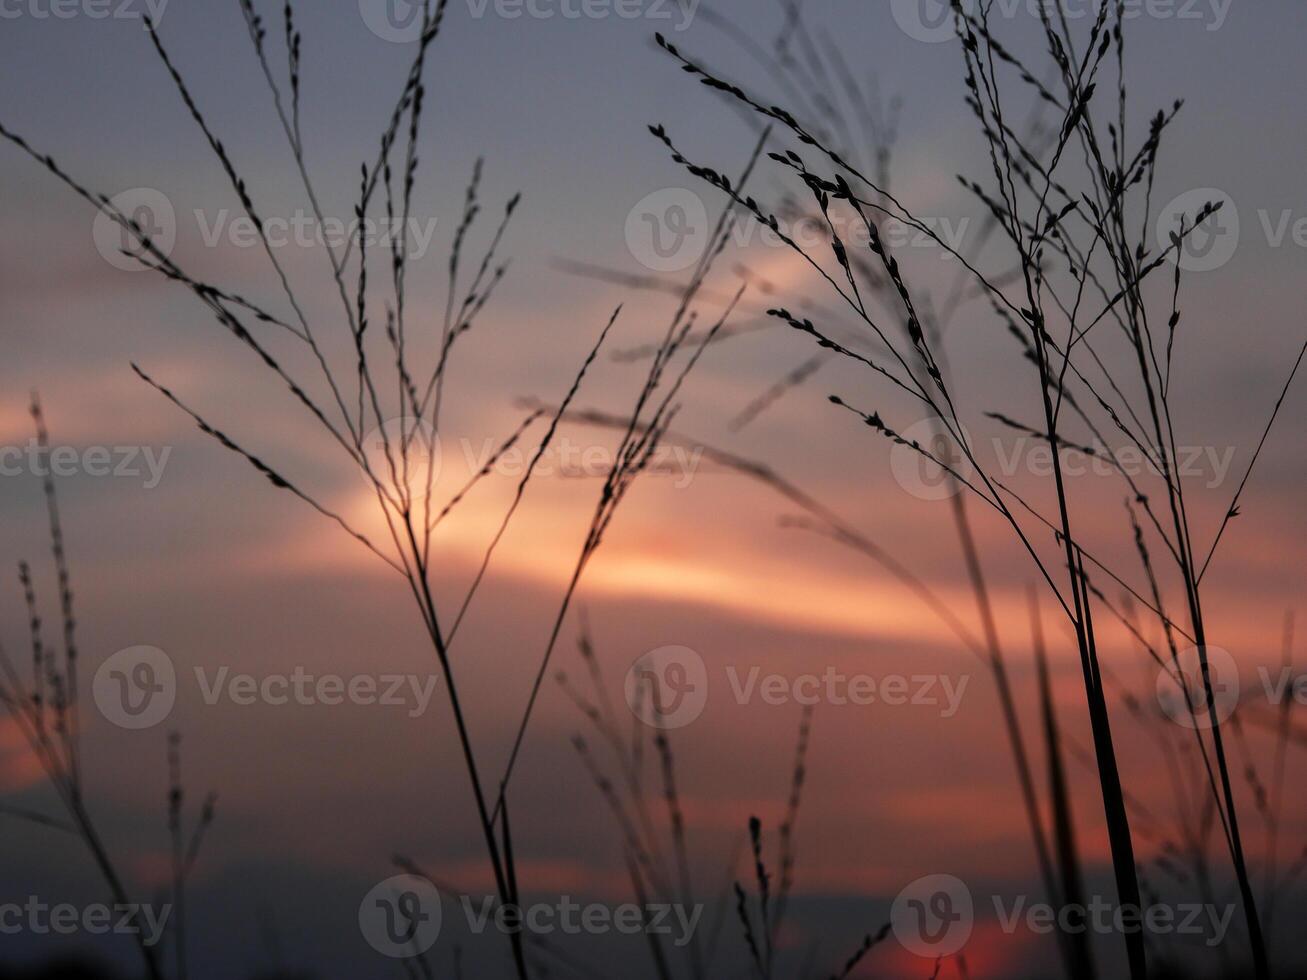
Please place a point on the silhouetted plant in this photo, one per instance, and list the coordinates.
(47, 711)
(1048, 221)
(382, 409)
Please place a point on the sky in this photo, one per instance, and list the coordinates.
(189, 551)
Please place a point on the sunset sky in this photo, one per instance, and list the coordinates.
(206, 561)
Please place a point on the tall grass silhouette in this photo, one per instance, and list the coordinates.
(1094, 220)
(381, 408)
(655, 839)
(47, 710)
